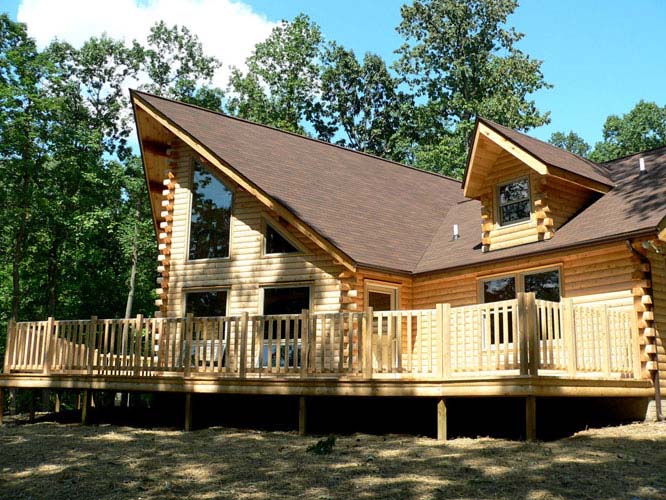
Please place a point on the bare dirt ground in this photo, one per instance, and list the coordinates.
(69, 461)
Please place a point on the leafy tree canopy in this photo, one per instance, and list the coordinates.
(460, 60)
(641, 129)
(571, 142)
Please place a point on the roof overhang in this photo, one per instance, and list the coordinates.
(155, 131)
(488, 144)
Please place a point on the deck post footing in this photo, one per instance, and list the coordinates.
(302, 416)
(530, 418)
(188, 412)
(441, 420)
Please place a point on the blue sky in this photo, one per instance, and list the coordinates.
(601, 56)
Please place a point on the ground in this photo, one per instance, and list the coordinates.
(69, 461)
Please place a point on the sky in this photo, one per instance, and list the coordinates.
(601, 56)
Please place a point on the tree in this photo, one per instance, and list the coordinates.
(460, 61)
(641, 129)
(571, 142)
(362, 100)
(178, 68)
(281, 85)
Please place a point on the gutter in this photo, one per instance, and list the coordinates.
(655, 376)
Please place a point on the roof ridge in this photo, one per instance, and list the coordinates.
(294, 134)
(598, 167)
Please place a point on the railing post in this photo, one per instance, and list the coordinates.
(367, 343)
(48, 347)
(305, 341)
(569, 332)
(444, 337)
(138, 354)
(243, 346)
(533, 332)
(605, 348)
(523, 333)
(9, 345)
(90, 343)
(187, 329)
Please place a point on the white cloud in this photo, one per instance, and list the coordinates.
(228, 30)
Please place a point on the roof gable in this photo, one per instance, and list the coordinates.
(376, 212)
(490, 139)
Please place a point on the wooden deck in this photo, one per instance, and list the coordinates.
(522, 347)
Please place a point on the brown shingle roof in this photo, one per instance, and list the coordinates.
(552, 155)
(637, 204)
(378, 212)
(386, 215)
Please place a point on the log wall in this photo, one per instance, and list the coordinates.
(247, 270)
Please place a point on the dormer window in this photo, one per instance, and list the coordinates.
(514, 201)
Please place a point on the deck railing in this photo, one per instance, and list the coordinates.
(515, 337)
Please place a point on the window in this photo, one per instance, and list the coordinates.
(544, 283)
(381, 297)
(284, 300)
(210, 219)
(514, 201)
(207, 303)
(274, 242)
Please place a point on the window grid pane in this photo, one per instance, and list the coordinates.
(514, 202)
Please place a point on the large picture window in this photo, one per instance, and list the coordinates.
(210, 220)
(514, 201)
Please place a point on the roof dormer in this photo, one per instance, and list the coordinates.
(527, 188)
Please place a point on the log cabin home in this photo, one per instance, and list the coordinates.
(289, 266)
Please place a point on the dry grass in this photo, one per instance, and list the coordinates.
(62, 462)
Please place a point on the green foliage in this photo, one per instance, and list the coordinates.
(571, 142)
(323, 446)
(364, 102)
(641, 129)
(460, 61)
(281, 85)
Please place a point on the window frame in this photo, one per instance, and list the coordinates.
(207, 289)
(498, 204)
(232, 216)
(269, 221)
(385, 288)
(518, 275)
(291, 284)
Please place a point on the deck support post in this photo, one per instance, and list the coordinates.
(530, 418)
(31, 405)
(56, 403)
(302, 416)
(442, 432)
(188, 412)
(2, 405)
(85, 406)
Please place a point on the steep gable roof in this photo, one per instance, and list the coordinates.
(377, 212)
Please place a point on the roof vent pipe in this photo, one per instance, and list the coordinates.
(456, 232)
(641, 166)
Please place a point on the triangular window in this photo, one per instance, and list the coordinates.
(276, 243)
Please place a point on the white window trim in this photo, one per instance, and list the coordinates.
(297, 284)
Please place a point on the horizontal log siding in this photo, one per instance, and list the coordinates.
(246, 270)
(565, 199)
(605, 272)
(658, 268)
